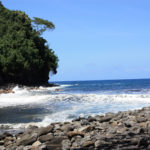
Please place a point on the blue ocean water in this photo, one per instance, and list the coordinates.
(129, 86)
(70, 100)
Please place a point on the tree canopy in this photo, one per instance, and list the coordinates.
(25, 56)
(42, 25)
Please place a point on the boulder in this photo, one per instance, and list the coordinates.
(88, 143)
(75, 133)
(45, 130)
(46, 137)
(27, 139)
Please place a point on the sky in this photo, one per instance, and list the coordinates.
(95, 39)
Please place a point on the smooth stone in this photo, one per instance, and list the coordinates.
(2, 148)
(67, 128)
(85, 128)
(46, 137)
(45, 130)
(105, 119)
(66, 144)
(88, 143)
(27, 148)
(75, 133)
(27, 139)
(55, 144)
(36, 144)
(20, 147)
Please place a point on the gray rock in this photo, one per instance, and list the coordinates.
(91, 119)
(88, 144)
(2, 148)
(27, 139)
(66, 144)
(20, 148)
(84, 122)
(45, 130)
(27, 148)
(55, 144)
(105, 119)
(75, 133)
(76, 141)
(97, 143)
(46, 137)
(42, 147)
(67, 127)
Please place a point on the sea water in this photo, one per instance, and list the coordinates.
(70, 100)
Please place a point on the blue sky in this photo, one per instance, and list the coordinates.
(95, 39)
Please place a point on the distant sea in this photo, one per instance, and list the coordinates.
(70, 100)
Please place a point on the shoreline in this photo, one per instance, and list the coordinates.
(122, 130)
(8, 88)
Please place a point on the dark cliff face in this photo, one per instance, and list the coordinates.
(25, 57)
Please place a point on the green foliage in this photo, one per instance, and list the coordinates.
(42, 25)
(24, 56)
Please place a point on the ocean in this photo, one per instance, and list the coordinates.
(70, 100)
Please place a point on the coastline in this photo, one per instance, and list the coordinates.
(8, 88)
(122, 130)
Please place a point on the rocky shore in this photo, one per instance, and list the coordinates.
(129, 130)
(8, 88)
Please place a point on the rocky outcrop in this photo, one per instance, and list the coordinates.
(123, 130)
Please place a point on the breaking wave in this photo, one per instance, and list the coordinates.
(43, 106)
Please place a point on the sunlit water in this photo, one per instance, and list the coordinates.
(71, 100)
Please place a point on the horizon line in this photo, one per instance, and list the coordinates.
(100, 80)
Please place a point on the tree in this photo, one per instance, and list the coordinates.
(25, 57)
(42, 25)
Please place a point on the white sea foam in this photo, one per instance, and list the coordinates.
(74, 104)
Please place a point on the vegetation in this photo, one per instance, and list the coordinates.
(25, 57)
